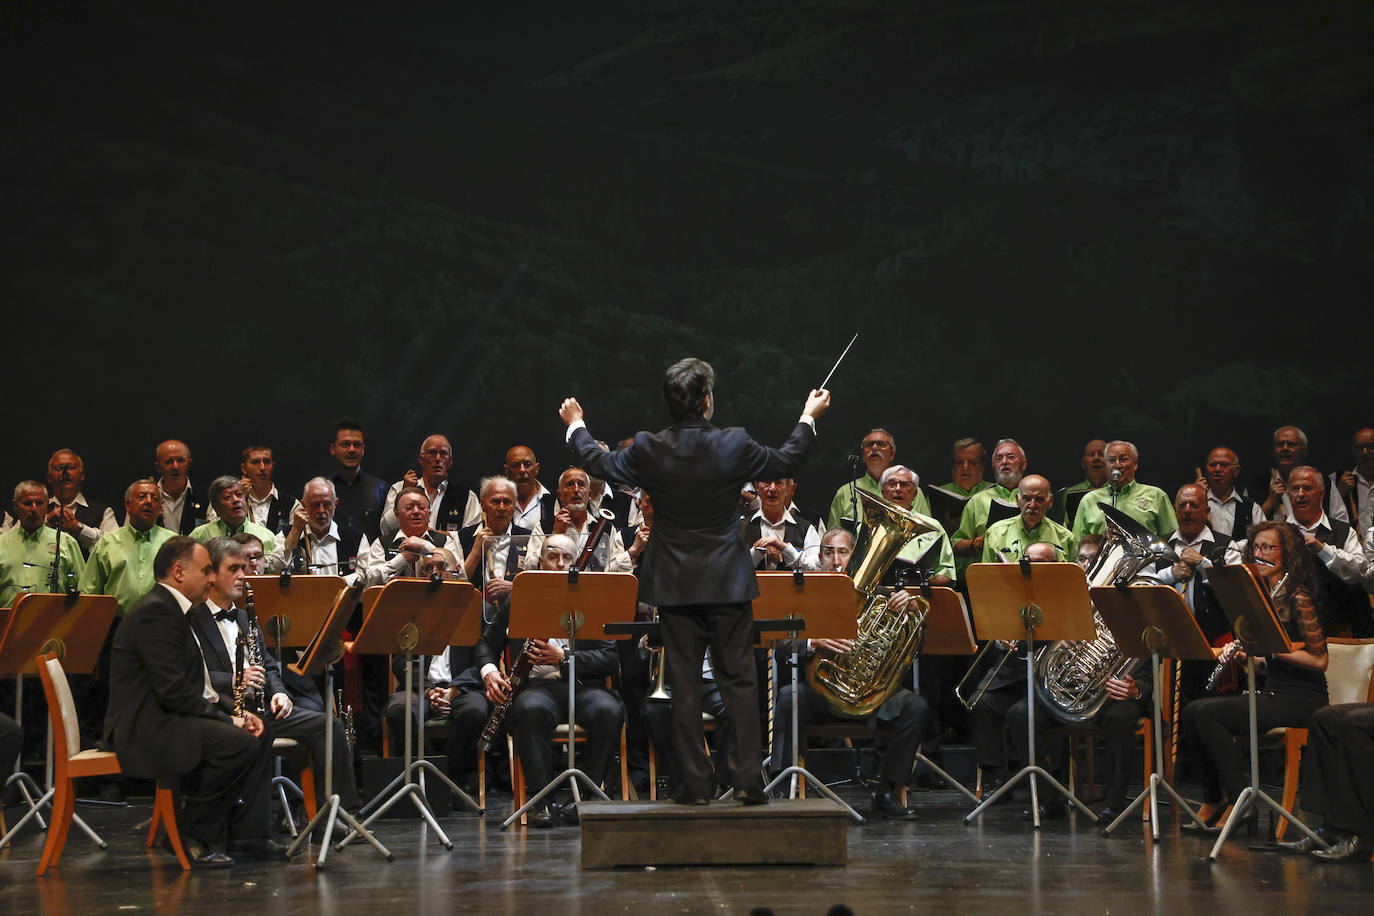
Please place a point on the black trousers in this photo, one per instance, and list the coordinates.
(394, 719)
(1118, 720)
(541, 705)
(728, 629)
(1219, 728)
(658, 720)
(307, 727)
(228, 791)
(985, 723)
(467, 715)
(1338, 767)
(906, 711)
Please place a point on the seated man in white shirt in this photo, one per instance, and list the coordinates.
(1342, 573)
(777, 535)
(574, 519)
(315, 544)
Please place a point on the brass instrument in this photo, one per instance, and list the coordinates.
(658, 669)
(986, 679)
(1071, 677)
(857, 682)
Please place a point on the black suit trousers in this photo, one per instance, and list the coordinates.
(228, 791)
(541, 705)
(1118, 720)
(728, 629)
(1338, 767)
(1219, 728)
(906, 711)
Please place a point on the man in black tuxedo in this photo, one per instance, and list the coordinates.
(218, 622)
(164, 721)
(695, 569)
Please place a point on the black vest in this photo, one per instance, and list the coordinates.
(515, 556)
(451, 508)
(192, 513)
(1340, 604)
(1240, 525)
(279, 512)
(90, 515)
(750, 530)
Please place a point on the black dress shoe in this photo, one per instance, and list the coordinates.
(1049, 811)
(1349, 849)
(1208, 825)
(1303, 845)
(200, 855)
(751, 796)
(543, 817)
(265, 850)
(569, 814)
(886, 805)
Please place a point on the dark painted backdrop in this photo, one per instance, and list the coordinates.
(1050, 220)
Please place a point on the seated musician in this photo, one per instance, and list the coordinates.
(573, 518)
(542, 702)
(905, 711)
(1338, 782)
(231, 514)
(165, 719)
(1127, 701)
(1003, 682)
(777, 535)
(218, 621)
(315, 543)
(1294, 684)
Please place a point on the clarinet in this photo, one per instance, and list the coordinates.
(521, 669)
(1223, 662)
(254, 698)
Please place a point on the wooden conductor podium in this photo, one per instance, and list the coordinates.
(74, 629)
(1253, 621)
(1152, 621)
(1030, 601)
(546, 604)
(321, 652)
(823, 605)
(416, 617)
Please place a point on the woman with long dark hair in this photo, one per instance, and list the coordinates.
(1294, 688)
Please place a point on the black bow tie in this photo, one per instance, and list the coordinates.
(226, 615)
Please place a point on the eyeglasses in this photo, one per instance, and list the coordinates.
(878, 443)
(1268, 548)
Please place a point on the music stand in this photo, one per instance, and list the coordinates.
(567, 603)
(946, 630)
(1009, 602)
(824, 605)
(1152, 621)
(418, 617)
(291, 610)
(1255, 624)
(72, 627)
(321, 654)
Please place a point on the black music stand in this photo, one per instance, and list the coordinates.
(1009, 602)
(567, 603)
(824, 606)
(74, 628)
(321, 654)
(418, 617)
(1152, 621)
(946, 631)
(1258, 628)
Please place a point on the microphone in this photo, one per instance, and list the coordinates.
(1116, 478)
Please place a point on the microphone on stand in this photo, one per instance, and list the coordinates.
(1116, 484)
(852, 524)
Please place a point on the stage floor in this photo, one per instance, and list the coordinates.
(935, 864)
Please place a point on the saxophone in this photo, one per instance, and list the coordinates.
(1071, 677)
(855, 683)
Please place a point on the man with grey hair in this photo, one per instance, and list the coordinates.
(69, 508)
(316, 544)
(968, 464)
(990, 506)
(1270, 488)
(493, 549)
(930, 551)
(450, 507)
(1148, 505)
(878, 451)
(27, 550)
(231, 514)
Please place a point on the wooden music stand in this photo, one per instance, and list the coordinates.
(1010, 601)
(545, 602)
(824, 605)
(947, 630)
(74, 629)
(417, 617)
(291, 611)
(1152, 622)
(1255, 624)
(321, 654)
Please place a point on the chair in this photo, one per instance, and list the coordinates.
(1349, 679)
(71, 763)
(305, 791)
(1144, 729)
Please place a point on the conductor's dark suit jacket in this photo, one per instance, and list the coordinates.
(157, 685)
(693, 473)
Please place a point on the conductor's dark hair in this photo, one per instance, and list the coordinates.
(685, 387)
(176, 550)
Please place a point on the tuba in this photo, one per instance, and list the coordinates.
(1071, 677)
(857, 682)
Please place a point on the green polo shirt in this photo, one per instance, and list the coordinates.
(974, 522)
(218, 529)
(18, 547)
(121, 564)
(1011, 535)
(1146, 504)
(842, 506)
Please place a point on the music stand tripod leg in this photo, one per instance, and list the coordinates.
(464, 797)
(949, 780)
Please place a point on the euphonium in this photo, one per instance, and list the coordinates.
(1071, 677)
(857, 682)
